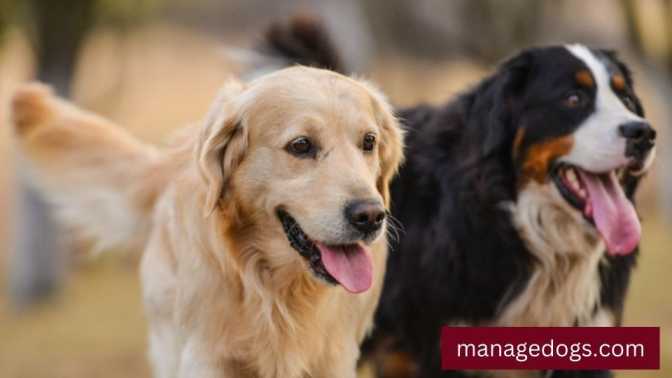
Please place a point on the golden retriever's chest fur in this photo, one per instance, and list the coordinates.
(246, 319)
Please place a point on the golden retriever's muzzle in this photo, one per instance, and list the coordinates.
(306, 248)
(347, 263)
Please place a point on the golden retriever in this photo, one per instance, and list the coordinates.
(263, 230)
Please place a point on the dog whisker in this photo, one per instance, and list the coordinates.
(395, 222)
(393, 230)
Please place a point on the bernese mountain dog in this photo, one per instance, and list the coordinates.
(516, 201)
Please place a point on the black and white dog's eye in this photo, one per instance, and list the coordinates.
(575, 99)
(369, 142)
(301, 147)
(629, 103)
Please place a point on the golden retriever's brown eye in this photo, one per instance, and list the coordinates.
(369, 142)
(301, 147)
(575, 99)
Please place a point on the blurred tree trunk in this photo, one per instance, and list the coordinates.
(485, 30)
(6, 13)
(667, 9)
(633, 27)
(38, 263)
(503, 27)
(60, 29)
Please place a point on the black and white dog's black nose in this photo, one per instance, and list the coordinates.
(638, 131)
(640, 138)
(366, 216)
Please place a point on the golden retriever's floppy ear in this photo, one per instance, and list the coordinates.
(391, 144)
(221, 144)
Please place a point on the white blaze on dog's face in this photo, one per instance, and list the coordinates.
(581, 138)
(319, 150)
(599, 143)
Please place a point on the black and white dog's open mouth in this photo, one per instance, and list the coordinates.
(602, 201)
(349, 265)
(572, 189)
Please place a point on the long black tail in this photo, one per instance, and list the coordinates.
(304, 40)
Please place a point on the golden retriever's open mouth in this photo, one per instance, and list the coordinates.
(602, 201)
(348, 264)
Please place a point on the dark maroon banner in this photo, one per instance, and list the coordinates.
(567, 348)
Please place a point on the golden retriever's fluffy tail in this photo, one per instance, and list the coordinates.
(97, 175)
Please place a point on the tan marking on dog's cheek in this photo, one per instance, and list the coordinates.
(517, 142)
(585, 79)
(539, 157)
(618, 82)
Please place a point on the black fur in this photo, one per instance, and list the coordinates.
(302, 40)
(459, 257)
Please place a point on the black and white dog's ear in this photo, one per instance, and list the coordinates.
(515, 71)
(507, 89)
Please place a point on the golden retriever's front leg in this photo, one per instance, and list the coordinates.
(163, 352)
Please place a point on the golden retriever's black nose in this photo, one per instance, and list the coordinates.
(366, 216)
(640, 138)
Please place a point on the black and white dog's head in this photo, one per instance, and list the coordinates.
(576, 133)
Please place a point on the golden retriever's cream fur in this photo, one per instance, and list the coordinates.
(225, 294)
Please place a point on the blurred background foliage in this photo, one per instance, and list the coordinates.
(154, 65)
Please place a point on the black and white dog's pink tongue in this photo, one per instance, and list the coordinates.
(350, 265)
(614, 215)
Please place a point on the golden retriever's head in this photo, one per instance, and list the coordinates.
(299, 162)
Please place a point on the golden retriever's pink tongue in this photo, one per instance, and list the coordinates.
(614, 215)
(349, 265)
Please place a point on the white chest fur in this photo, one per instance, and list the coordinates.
(564, 286)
